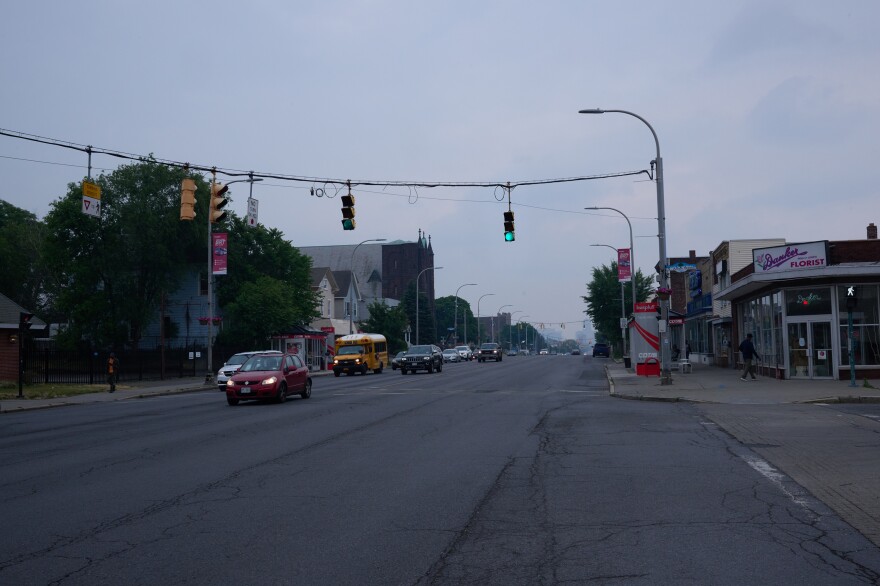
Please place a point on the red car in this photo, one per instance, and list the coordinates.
(269, 376)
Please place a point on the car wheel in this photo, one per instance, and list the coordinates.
(363, 369)
(307, 390)
(232, 402)
(282, 393)
(439, 368)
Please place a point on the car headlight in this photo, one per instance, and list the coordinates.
(357, 360)
(229, 383)
(335, 361)
(270, 381)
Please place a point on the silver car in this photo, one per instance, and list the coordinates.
(465, 352)
(451, 355)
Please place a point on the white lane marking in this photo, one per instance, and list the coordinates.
(770, 473)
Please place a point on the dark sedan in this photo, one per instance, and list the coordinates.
(427, 357)
(601, 350)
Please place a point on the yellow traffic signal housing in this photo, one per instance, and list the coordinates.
(218, 202)
(348, 222)
(187, 199)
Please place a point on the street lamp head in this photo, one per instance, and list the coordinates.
(591, 111)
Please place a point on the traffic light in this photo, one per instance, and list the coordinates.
(218, 202)
(187, 199)
(509, 235)
(852, 297)
(24, 319)
(348, 222)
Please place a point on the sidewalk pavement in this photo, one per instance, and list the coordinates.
(713, 384)
(124, 391)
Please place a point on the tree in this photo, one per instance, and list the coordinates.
(603, 300)
(110, 273)
(388, 321)
(444, 308)
(21, 240)
(262, 308)
(259, 252)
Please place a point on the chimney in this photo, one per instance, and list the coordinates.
(693, 253)
(872, 231)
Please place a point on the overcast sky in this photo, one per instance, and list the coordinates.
(767, 114)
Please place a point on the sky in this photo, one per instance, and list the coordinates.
(767, 115)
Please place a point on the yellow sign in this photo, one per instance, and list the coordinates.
(91, 190)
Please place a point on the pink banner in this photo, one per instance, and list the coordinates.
(624, 272)
(219, 251)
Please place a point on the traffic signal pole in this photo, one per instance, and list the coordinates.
(209, 375)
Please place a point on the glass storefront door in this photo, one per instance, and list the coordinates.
(810, 352)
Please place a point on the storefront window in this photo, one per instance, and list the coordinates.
(762, 317)
(866, 327)
(811, 301)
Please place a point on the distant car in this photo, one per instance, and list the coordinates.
(451, 355)
(490, 351)
(232, 365)
(601, 349)
(269, 376)
(543, 352)
(524, 352)
(511, 352)
(426, 357)
(395, 362)
(575, 352)
(465, 352)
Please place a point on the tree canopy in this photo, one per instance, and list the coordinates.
(388, 321)
(603, 300)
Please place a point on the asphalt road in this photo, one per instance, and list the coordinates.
(522, 472)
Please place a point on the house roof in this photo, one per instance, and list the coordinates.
(319, 273)
(10, 314)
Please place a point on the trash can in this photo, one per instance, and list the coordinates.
(627, 363)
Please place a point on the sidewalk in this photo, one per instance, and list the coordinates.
(124, 391)
(712, 384)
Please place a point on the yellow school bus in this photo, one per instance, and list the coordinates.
(360, 353)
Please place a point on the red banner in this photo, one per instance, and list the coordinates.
(219, 252)
(624, 270)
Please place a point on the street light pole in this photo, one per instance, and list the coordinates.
(455, 319)
(417, 298)
(510, 328)
(478, 317)
(666, 377)
(499, 324)
(527, 329)
(351, 284)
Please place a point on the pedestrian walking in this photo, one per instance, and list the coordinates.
(112, 371)
(749, 354)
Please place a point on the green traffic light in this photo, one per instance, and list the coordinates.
(509, 236)
(348, 224)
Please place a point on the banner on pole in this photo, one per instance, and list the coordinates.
(624, 270)
(219, 250)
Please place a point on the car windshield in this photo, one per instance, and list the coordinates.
(238, 359)
(419, 350)
(262, 363)
(465, 348)
(450, 351)
(348, 350)
(489, 346)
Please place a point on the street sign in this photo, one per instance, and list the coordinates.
(91, 203)
(91, 206)
(91, 190)
(253, 208)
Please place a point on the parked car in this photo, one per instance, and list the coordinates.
(601, 349)
(426, 357)
(232, 365)
(490, 351)
(465, 352)
(451, 355)
(511, 352)
(395, 362)
(269, 376)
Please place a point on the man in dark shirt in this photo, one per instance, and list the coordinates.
(749, 354)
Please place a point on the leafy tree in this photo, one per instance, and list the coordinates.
(259, 252)
(109, 273)
(21, 240)
(603, 300)
(388, 321)
(445, 309)
(262, 307)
